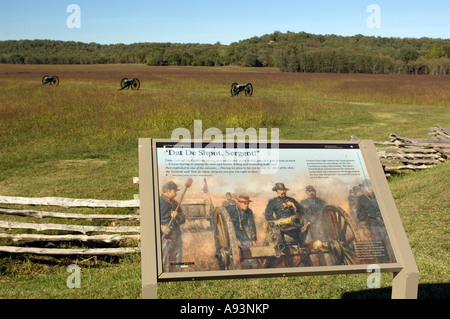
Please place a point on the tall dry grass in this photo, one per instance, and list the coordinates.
(87, 113)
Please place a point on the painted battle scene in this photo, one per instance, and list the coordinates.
(225, 221)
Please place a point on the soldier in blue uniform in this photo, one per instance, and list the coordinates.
(229, 200)
(171, 236)
(284, 206)
(313, 206)
(244, 226)
(243, 221)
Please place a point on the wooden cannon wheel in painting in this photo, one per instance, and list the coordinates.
(227, 244)
(337, 225)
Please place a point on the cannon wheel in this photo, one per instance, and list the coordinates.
(122, 83)
(227, 247)
(249, 89)
(342, 235)
(55, 80)
(233, 88)
(136, 84)
(44, 81)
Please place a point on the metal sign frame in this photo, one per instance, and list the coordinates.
(404, 268)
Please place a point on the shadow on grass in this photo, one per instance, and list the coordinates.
(426, 291)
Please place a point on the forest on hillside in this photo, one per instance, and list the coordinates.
(290, 52)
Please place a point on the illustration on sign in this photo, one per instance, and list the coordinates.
(300, 205)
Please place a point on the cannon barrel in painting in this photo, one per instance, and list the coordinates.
(285, 238)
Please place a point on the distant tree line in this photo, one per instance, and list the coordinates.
(290, 52)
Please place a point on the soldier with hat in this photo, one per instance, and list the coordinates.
(312, 203)
(284, 206)
(171, 242)
(243, 221)
(313, 206)
(229, 200)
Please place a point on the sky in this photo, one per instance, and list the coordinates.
(208, 21)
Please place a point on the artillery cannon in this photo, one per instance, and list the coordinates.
(126, 83)
(198, 215)
(338, 241)
(238, 88)
(50, 80)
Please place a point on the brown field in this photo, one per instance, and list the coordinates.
(401, 89)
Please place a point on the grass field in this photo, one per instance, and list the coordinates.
(79, 140)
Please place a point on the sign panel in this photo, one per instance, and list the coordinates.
(299, 207)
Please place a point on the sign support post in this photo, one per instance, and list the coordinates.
(148, 227)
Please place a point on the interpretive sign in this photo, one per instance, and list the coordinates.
(226, 211)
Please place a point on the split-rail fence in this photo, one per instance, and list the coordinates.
(20, 235)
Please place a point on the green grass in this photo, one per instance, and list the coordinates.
(80, 140)
(28, 277)
(424, 206)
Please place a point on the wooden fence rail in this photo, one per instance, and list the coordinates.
(71, 228)
(67, 232)
(55, 238)
(43, 214)
(69, 202)
(73, 251)
(402, 153)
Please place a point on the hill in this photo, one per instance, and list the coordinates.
(295, 52)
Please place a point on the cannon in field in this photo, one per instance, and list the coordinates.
(283, 245)
(126, 83)
(238, 88)
(50, 80)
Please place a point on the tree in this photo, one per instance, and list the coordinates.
(408, 54)
(252, 60)
(185, 59)
(418, 66)
(286, 59)
(155, 57)
(436, 52)
(290, 52)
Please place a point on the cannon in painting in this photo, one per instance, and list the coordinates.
(238, 88)
(338, 241)
(199, 215)
(126, 83)
(50, 80)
